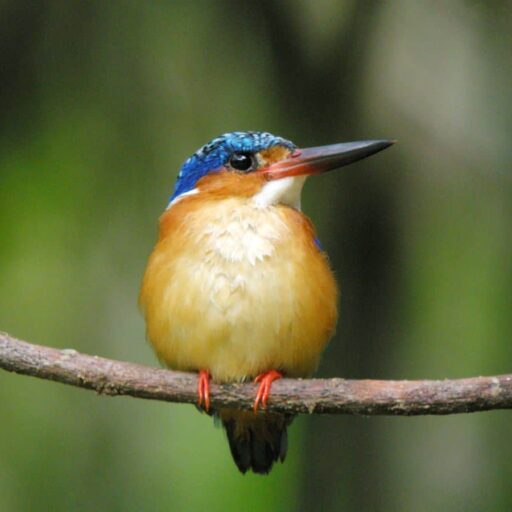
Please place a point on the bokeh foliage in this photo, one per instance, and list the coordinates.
(102, 101)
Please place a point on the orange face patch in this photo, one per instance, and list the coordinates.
(228, 183)
(272, 155)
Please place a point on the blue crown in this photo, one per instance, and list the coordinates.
(216, 153)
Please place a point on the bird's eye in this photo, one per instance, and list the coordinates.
(242, 161)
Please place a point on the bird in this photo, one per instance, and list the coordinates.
(238, 287)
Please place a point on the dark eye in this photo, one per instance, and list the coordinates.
(242, 161)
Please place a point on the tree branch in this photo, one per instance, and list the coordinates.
(368, 397)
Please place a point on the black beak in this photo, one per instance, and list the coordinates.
(305, 162)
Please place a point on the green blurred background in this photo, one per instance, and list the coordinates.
(102, 101)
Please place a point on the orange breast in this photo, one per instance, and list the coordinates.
(238, 289)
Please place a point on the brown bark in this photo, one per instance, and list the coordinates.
(320, 396)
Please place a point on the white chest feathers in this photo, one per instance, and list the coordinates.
(237, 232)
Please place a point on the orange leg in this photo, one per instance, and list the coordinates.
(265, 381)
(203, 389)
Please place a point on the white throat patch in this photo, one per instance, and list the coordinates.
(283, 191)
(236, 231)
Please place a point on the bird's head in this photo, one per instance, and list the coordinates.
(270, 169)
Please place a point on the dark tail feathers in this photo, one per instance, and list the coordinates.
(256, 440)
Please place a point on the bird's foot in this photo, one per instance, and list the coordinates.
(203, 389)
(265, 381)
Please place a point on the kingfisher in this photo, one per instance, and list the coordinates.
(238, 286)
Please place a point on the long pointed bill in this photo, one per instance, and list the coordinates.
(305, 162)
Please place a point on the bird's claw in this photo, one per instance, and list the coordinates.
(265, 384)
(203, 389)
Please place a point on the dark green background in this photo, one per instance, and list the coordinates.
(101, 101)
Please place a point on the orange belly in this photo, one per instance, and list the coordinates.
(237, 290)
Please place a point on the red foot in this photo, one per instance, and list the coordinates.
(203, 389)
(265, 381)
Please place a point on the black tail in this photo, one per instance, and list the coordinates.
(256, 440)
